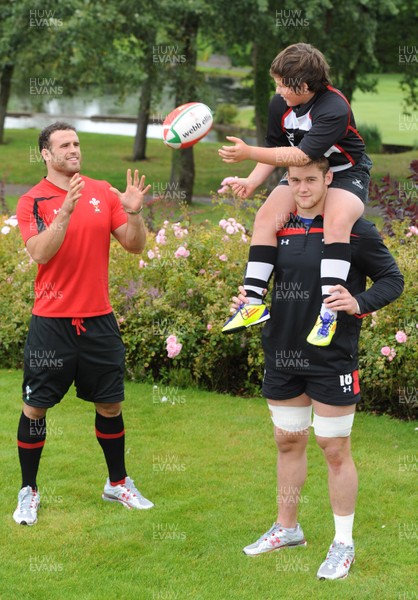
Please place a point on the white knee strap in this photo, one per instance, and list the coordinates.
(331, 427)
(291, 418)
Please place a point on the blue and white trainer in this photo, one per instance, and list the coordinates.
(28, 502)
(127, 494)
(338, 561)
(276, 538)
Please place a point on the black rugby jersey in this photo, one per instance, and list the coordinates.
(296, 297)
(324, 126)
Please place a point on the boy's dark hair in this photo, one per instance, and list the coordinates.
(301, 63)
(45, 134)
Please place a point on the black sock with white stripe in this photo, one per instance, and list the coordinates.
(260, 266)
(334, 269)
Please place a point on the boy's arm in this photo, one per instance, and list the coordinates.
(245, 186)
(283, 156)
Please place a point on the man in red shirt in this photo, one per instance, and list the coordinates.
(66, 221)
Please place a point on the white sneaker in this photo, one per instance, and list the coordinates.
(28, 502)
(127, 494)
(338, 561)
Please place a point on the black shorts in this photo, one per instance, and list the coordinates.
(333, 389)
(355, 180)
(55, 356)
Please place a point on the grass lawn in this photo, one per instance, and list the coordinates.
(384, 109)
(107, 157)
(208, 463)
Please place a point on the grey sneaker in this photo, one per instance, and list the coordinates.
(275, 538)
(126, 494)
(338, 561)
(28, 502)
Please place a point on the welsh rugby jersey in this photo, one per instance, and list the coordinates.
(296, 297)
(74, 282)
(324, 126)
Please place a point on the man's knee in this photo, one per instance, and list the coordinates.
(291, 441)
(34, 412)
(112, 409)
(336, 451)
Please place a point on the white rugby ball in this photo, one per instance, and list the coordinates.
(187, 124)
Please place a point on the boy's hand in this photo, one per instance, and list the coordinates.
(341, 299)
(233, 154)
(242, 187)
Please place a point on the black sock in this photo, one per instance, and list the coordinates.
(31, 435)
(110, 434)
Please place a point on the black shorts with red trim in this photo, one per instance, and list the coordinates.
(60, 351)
(355, 180)
(333, 389)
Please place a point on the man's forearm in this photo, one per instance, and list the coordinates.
(44, 246)
(136, 234)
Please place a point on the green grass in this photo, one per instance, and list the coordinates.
(384, 109)
(218, 497)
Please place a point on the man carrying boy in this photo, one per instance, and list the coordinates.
(308, 119)
(299, 376)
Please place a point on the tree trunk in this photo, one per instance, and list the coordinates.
(5, 87)
(182, 166)
(140, 142)
(263, 89)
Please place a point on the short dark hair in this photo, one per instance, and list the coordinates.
(301, 63)
(44, 136)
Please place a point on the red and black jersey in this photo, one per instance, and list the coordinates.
(296, 297)
(74, 282)
(324, 126)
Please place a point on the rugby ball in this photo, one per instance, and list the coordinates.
(187, 124)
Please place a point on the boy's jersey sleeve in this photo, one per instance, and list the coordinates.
(276, 137)
(330, 121)
(378, 264)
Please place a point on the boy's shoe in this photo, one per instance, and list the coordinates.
(323, 331)
(127, 494)
(338, 561)
(275, 538)
(246, 315)
(28, 502)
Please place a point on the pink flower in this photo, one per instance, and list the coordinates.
(385, 350)
(223, 257)
(172, 339)
(5, 230)
(223, 223)
(203, 271)
(401, 337)
(181, 252)
(208, 326)
(142, 264)
(412, 229)
(244, 238)
(230, 229)
(173, 350)
(151, 254)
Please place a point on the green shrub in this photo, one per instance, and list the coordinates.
(187, 297)
(226, 114)
(372, 138)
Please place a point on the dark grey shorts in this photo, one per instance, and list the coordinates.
(56, 356)
(355, 180)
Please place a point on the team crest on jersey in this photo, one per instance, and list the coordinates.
(96, 204)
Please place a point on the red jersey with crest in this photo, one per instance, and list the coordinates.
(74, 282)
